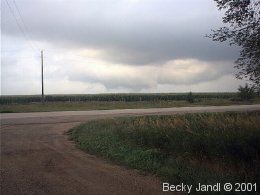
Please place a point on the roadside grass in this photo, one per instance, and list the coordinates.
(107, 105)
(191, 148)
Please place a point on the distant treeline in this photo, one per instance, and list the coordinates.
(114, 97)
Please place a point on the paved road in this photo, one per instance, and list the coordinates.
(37, 158)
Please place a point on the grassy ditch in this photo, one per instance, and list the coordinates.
(107, 105)
(192, 148)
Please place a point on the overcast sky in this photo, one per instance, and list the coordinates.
(107, 46)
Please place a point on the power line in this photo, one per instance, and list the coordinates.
(24, 24)
(19, 26)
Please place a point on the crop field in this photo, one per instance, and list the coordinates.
(116, 101)
(191, 148)
(114, 97)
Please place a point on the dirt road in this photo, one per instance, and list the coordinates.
(37, 158)
(80, 116)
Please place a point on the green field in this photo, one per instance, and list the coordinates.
(124, 97)
(191, 148)
(10, 104)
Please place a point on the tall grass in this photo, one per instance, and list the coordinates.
(190, 148)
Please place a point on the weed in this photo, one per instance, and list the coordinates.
(190, 148)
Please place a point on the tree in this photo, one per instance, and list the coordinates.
(243, 18)
(190, 97)
(245, 93)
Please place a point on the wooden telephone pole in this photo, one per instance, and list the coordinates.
(42, 78)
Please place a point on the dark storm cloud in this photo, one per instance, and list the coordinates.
(128, 32)
(180, 72)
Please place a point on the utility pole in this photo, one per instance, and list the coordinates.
(42, 78)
